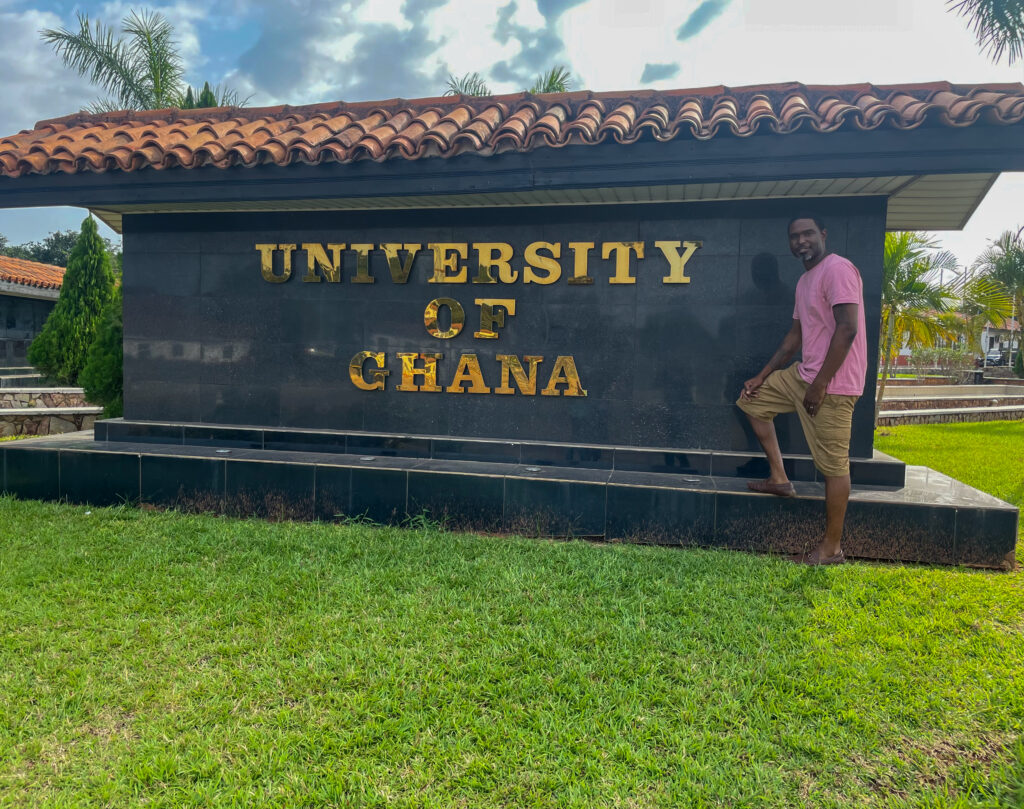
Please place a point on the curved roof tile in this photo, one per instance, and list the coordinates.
(30, 273)
(443, 127)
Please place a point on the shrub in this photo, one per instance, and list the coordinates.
(103, 374)
(1018, 364)
(952, 362)
(60, 349)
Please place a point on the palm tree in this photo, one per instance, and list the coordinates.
(471, 84)
(982, 300)
(1003, 261)
(556, 80)
(141, 70)
(998, 25)
(910, 298)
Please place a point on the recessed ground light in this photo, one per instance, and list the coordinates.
(367, 458)
(691, 480)
(533, 469)
(223, 451)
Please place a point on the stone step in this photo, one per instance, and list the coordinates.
(879, 470)
(21, 381)
(48, 411)
(950, 415)
(932, 519)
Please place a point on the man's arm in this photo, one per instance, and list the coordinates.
(842, 338)
(787, 348)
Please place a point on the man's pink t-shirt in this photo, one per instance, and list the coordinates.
(832, 281)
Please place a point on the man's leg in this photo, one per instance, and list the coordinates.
(765, 432)
(828, 434)
(780, 393)
(837, 495)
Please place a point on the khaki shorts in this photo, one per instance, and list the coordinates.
(827, 433)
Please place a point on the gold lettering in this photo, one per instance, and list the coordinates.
(564, 373)
(468, 371)
(581, 258)
(676, 262)
(510, 365)
(542, 262)
(362, 264)
(400, 269)
(355, 370)
(316, 259)
(622, 251)
(430, 318)
(267, 262)
(491, 316)
(487, 260)
(410, 372)
(446, 262)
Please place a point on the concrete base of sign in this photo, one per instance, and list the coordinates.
(925, 517)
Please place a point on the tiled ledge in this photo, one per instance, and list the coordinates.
(932, 519)
(879, 470)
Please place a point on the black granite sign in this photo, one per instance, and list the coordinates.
(626, 325)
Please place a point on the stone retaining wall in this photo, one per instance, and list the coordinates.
(42, 397)
(890, 418)
(43, 423)
(928, 380)
(940, 404)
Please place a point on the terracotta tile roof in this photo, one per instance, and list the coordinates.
(30, 273)
(448, 126)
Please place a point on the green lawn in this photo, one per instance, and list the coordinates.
(165, 660)
(988, 455)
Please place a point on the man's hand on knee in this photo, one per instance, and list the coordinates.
(751, 387)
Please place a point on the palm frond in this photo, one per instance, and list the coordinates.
(913, 304)
(105, 59)
(142, 69)
(470, 84)
(556, 80)
(153, 50)
(998, 25)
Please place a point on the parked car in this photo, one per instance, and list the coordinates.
(995, 357)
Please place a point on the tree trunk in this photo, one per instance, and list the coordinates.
(886, 361)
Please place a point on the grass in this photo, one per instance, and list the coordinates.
(170, 660)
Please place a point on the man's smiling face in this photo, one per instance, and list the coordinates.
(807, 241)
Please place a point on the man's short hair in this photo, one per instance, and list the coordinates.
(807, 215)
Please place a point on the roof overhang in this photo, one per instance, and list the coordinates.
(921, 202)
(15, 290)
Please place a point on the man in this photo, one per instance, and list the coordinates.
(828, 329)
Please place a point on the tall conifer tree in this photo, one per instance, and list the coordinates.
(59, 351)
(103, 374)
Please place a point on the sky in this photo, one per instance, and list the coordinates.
(306, 51)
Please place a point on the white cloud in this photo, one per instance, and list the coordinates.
(609, 42)
(467, 28)
(1001, 210)
(182, 16)
(323, 50)
(382, 11)
(35, 84)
